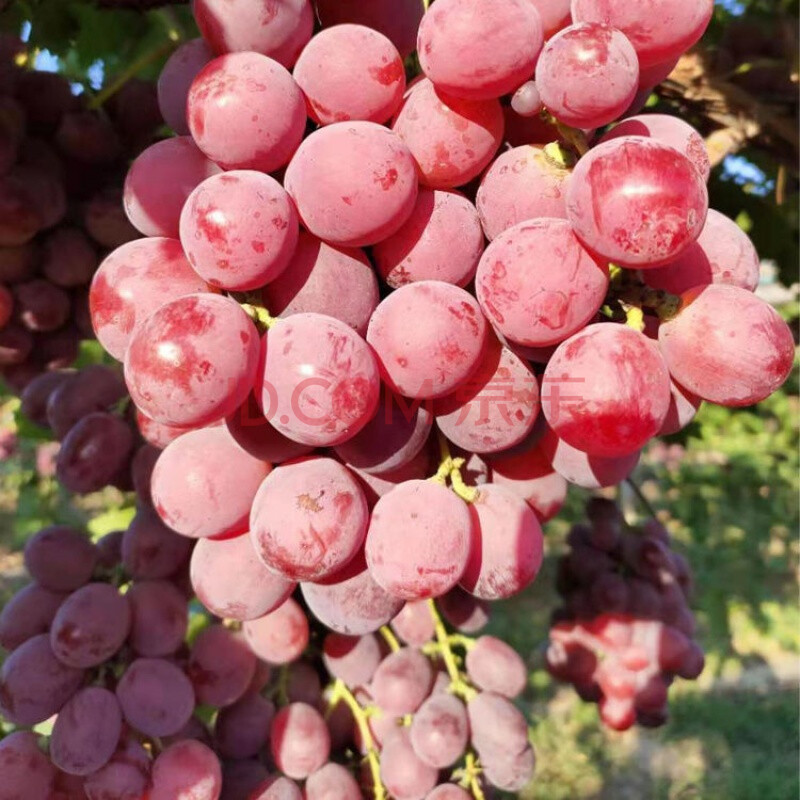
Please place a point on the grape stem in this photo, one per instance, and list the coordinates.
(390, 638)
(648, 506)
(260, 316)
(450, 467)
(459, 685)
(342, 693)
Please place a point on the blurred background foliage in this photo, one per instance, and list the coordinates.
(727, 487)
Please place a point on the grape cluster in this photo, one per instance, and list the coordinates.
(238, 709)
(62, 167)
(625, 629)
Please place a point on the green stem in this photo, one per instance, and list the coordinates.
(391, 639)
(648, 506)
(458, 683)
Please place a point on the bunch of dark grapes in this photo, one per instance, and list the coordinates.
(625, 630)
(62, 167)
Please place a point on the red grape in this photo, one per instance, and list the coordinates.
(221, 666)
(280, 636)
(159, 618)
(60, 558)
(299, 740)
(176, 79)
(186, 771)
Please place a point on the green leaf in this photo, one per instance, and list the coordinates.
(115, 519)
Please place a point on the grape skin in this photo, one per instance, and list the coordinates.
(493, 666)
(241, 729)
(34, 684)
(86, 731)
(440, 731)
(26, 770)
(496, 408)
(414, 624)
(308, 519)
(498, 727)
(69, 258)
(465, 612)
(40, 305)
(332, 782)
(156, 697)
(506, 548)
(277, 788)
(186, 771)
(587, 75)
(159, 618)
(159, 181)
(60, 558)
(299, 740)
(354, 183)
(229, 244)
(204, 484)
(280, 31)
(175, 80)
(193, 361)
(232, 582)
(92, 388)
(527, 101)
(431, 122)
(350, 72)
(338, 282)
(221, 666)
(440, 351)
(245, 111)
(352, 659)
(402, 681)
(610, 413)
(402, 772)
(630, 182)
(280, 636)
(151, 550)
(27, 614)
(741, 358)
(90, 625)
(435, 527)
(479, 49)
(321, 380)
(538, 284)
(448, 791)
(523, 183)
(442, 240)
(33, 401)
(668, 130)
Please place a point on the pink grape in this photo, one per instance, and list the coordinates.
(402, 772)
(669, 130)
(256, 436)
(332, 782)
(510, 772)
(496, 408)
(354, 183)
(26, 770)
(440, 731)
(351, 602)
(414, 624)
(538, 284)
(391, 439)
(204, 484)
(350, 72)
(175, 80)
(90, 626)
(683, 408)
(637, 202)
(660, 30)
(402, 681)
(193, 361)
(321, 380)
(156, 697)
(505, 553)
(530, 475)
(352, 659)
(650, 76)
(396, 19)
(431, 122)
(448, 791)
(186, 771)
(584, 470)
(246, 112)
(151, 550)
(308, 519)
(299, 740)
(498, 727)
(159, 618)
(479, 49)
(723, 253)
(221, 666)
(610, 412)
(239, 230)
(242, 25)
(527, 100)
(375, 486)
(523, 183)
(587, 75)
(437, 352)
(322, 279)
(60, 558)
(86, 731)
(280, 636)
(277, 787)
(727, 346)
(555, 15)
(160, 180)
(132, 282)
(155, 433)
(27, 614)
(463, 611)
(242, 729)
(442, 240)
(34, 684)
(435, 528)
(493, 666)
(231, 581)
